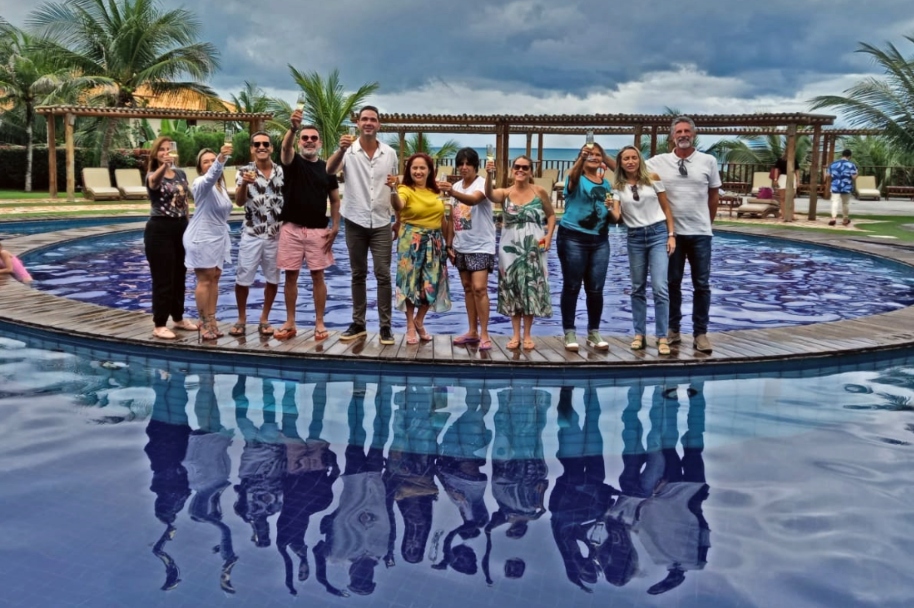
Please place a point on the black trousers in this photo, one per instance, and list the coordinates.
(165, 254)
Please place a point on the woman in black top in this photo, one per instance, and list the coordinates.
(167, 189)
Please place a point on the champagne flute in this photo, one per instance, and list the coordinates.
(173, 152)
(589, 140)
(300, 103)
(445, 198)
(227, 141)
(353, 132)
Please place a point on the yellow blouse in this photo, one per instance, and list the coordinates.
(423, 207)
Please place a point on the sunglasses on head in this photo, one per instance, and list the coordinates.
(683, 172)
(260, 144)
(517, 167)
(310, 137)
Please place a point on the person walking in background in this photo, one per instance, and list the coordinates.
(207, 243)
(639, 199)
(471, 247)
(259, 190)
(779, 179)
(366, 163)
(167, 190)
(304, 236)
(529, 223)
(421, 261)
(583, 244)
(692, 183)
(843, 174)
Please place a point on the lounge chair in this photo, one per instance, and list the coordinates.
(866, 188)
(97, 185)
(445, 170)
(545, 182)
(760, 179)
(761, 207)
(552, 174)
(130, 183)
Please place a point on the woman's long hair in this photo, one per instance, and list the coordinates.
(644, 178)
(574, 174)
(430, 182)
(219, 184)
(152, 163)
(529, 171)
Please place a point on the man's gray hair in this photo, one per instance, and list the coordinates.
(680, 119)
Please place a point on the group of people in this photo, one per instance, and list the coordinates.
(667, 204)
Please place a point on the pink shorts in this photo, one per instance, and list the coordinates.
(297, 245)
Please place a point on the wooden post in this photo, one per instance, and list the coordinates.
(654, 140)
(539, 155)
(400, 159)
(638, 130)
(498, 138)
(52, 156)
(419, 142)
(814, 173)
(791, 159)
(529, 151)
(69, 121)
(504, 161)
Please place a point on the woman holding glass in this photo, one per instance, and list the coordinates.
(583, 244)
(640, 200)
(206, 240)
(167, 190)
(529, 221)
(421, 262)
(472, 246)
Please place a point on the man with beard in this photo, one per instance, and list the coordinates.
(304, 236)
(692, 183)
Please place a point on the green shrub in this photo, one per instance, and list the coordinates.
(13, 161)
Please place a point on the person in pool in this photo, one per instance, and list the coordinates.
(10, 264)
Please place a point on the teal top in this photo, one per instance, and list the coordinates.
(585, 208)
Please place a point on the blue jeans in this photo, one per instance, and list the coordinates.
(647, 248)
(584, 259)
(696, 248)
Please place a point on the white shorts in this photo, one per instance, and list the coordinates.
(253, 252)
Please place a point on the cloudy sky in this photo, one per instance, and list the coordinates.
(565, 56)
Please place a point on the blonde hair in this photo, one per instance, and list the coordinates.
(219, 184)
(644, 178)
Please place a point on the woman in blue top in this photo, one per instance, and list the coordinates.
(583, 244)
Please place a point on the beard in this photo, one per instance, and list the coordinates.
(310, 153)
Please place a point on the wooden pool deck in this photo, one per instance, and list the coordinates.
(30, 308)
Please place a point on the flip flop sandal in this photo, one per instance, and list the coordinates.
(285, 333)
(485, 345)
(529, 344)
(238, 329)
(264, 329)
(185, 325)
(513, 343)
(424, 335)
(321, 334)
(461, 340)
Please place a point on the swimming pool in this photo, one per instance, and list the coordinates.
(129, 479)
(756, 283)
(10, 229)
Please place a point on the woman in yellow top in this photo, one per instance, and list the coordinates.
(421, 253)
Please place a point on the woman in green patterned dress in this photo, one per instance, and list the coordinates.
(529, 221)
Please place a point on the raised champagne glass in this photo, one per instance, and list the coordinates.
(589, 140)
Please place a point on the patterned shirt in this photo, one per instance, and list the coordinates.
(170, 198)
(842, 173)
(264, 202)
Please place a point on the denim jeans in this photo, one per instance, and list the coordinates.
(696, 248)
(647, 249)
(584, 258)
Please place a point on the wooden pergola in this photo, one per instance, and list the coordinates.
(70, 113)
(637, 125)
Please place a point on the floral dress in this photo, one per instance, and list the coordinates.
(523, 285)
(421, 254)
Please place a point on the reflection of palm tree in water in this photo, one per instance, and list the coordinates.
(662, 493)
(581, 496)
(519, 472)
(168, 433)
(462, 454)
(358, 532)
(308, 481)
(208, 469)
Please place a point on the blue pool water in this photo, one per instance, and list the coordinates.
(755, 283)
(133, 481)
(22, 228)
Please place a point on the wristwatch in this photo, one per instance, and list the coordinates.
(673, 234)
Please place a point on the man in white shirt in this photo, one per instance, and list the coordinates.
(366, 163)
(692, 182)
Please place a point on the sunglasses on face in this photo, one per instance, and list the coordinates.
(465, 164)
(635, 192)
(517, 167)
(310, 137)
(683, 171)
(261, 144)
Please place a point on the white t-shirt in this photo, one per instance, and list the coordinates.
(366, 198)
(688, 195)
(474, 226)
(645, 211)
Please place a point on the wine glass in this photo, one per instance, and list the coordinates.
(173, 152)
(227, 141)
(300, 103)
(589, 140)
(353, 132)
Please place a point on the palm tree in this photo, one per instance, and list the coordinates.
(26, 81)
(762, 150)
(118, 46)
(327, 106)
(876, 154)
(885, 103)
(420, 143)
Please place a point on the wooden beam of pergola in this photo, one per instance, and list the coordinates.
(610, 120)
(71, 113)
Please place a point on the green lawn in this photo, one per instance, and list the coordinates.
(887, 226)
(7, 195)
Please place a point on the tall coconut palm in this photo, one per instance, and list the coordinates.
(252, 100)
(762, 150)
(26, 81)
(327, 106)
(418, 142)
(885, 103)
(119, 46)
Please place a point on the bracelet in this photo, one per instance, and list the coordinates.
(672, 235)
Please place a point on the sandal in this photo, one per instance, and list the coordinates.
(321, 334)
(185, 325)
(285, 333)
(465, 339)
(513, 343)
(638, 343)
(663, 347)
(529, 344)
(411, 339)
(264, 329)
(485, 345)
(238, 329)
(163, 333)
(423, 335)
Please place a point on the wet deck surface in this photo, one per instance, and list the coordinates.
(23, 306)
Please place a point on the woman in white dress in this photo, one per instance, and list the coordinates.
(206, 241)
